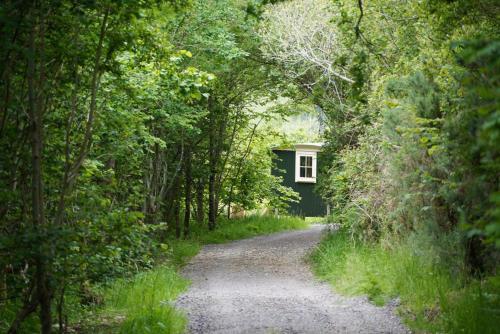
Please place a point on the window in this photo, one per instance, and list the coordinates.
(305, 167)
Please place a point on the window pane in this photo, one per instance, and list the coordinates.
(302, 171)
(306, 161)
(302, 160)
(309, 172)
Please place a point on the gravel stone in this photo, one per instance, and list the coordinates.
(263, 285)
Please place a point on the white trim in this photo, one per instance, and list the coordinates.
(299, 154)
(311, 147)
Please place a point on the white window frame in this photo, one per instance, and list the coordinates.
(299, 154)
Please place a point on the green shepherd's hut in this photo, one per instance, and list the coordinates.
(298, 166)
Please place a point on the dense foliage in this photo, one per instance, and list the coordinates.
(411, 95)
(122, 122)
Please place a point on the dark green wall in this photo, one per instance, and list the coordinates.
(310, 205)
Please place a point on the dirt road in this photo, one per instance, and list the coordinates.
(263, 285)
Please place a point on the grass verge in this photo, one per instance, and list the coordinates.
(143, 303)
(435, 294)
(235, 229)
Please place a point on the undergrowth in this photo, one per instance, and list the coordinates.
(435, 293)
(144, 302)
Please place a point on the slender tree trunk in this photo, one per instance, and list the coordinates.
(36, 119)
(176, 204)
(72, 170)
(212, 201)
(60, 310)
(168, 208)
(217, 202)
(177, 218)
(171, 205)
(200, 189)
(187, 190)
(238, 170)
(153, 186)
(212, 208)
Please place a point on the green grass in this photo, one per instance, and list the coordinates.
(228, 230)
(436, 295)
(143, 303)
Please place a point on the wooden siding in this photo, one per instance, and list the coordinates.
(311, 204)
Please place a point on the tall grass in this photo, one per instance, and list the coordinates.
(144, 303)
(435, 293)
(234, 229)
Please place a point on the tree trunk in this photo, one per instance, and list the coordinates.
(35, 113)
(238, 170)
(71, 170)
(187, 191)
(60, 310)
(153, 185)
(212, 209)
(177, 218)
(200, 189)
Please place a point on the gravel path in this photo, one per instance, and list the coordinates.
(262, 285)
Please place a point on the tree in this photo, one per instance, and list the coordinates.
(60, 56)
(299, 36)
(227, 47)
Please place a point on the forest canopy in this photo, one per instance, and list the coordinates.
(123, 123)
